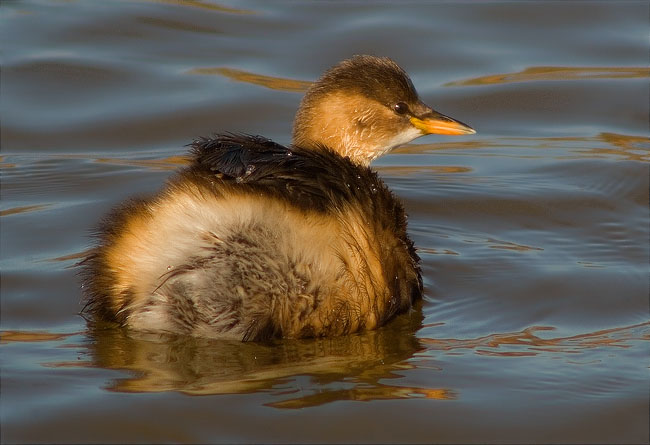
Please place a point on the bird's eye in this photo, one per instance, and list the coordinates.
(401, 108)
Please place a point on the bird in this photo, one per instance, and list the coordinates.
(256, 241)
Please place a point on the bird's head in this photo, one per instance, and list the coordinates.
(364, 107)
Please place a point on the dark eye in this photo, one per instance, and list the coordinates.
(401, 108)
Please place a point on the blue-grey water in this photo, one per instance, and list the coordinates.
(533, 233)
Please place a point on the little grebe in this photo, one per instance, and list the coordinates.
(255, 240)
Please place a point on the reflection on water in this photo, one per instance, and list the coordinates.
(603, 145)
(5, 164)
(23, 209)
(176, 25)
(539, 73)
(199, 366)
(363, 364)
(167, 163)
(30, 336)
(534, 344)
(77, 256)
(375, 392)
(274, 83)
(424, 169)
(210, 6)
(632, 148)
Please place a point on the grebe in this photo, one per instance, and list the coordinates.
(255, 240)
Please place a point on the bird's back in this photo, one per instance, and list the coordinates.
(256, 240)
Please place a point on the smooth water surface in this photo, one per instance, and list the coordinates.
(533, 233)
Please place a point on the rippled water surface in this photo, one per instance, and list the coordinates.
(533, 233)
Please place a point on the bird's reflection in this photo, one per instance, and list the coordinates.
(343, 368)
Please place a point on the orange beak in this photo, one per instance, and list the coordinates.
(436, 123)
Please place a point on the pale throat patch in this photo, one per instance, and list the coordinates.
(404, 137)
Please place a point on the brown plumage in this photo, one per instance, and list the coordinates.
(256, 240)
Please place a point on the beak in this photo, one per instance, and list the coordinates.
(436, 123)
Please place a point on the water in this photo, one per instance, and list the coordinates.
(533, 233)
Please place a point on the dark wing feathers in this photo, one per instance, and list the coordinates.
(233, 155)
(314, 179)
